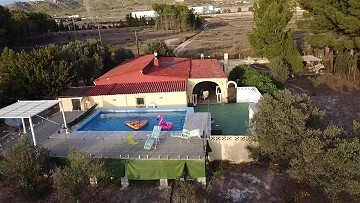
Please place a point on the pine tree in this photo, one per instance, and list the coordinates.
(269, 37)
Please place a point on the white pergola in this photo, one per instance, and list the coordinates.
(28, 109)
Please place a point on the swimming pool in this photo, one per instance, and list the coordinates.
(114, 120)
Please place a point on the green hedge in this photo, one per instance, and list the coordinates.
(251, 77)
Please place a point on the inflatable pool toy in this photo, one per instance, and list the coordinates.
(165, 125)
(136, 125)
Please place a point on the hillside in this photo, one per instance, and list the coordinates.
(48, 6)
(100, 8)
(104, 8)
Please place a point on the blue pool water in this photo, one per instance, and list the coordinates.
(115, 121)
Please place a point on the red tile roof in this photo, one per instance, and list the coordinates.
(136, 64)
(171, 67)
(100, 90)
(206, 68)
(145, 69)
(134, 88)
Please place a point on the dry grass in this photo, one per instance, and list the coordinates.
(122, 37)
(336, 96)
(225, 33)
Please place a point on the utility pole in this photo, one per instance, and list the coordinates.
(137, 44)
(74, 27)
(99, 34)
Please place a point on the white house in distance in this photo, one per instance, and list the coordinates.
(205, 9)
(197, 9)
(144, 14)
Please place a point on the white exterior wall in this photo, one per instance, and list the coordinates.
(219, 81)
(161, 99)
(198, 9)
(247, 94)
(231, 148)
(252, 110)
(67, 104)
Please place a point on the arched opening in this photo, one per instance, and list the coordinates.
(232, 93)
(207, 92)
(231, 84)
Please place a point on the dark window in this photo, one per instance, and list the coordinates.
(140, 101)
(76, 104)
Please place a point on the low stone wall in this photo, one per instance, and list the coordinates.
(232, 148)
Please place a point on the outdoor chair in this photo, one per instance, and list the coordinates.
(153, 138)
(131, 140)
(205, 95)
(188, 134)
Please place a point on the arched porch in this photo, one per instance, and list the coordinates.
(207, 91)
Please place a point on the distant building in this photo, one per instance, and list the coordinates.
(205, 9)
(74, 16)
(144, 14)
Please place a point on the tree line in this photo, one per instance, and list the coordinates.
(47, 71)
(175, 17)
(333, 34)
(17, 24)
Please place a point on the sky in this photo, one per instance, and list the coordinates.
(6, 2)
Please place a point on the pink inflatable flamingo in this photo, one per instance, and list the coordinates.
(165, 125)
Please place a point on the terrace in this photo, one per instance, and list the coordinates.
(123, 160)
(114, 144)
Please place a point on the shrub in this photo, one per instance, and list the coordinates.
(281, 124)
(239, 9)
(158, 46)
(24, 166)
(251, 77)
(190, 191)
(227, 10)
(73, 181)
(279, 70)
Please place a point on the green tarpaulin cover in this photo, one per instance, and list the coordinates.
(164, 169)
(196, 168)
(155, 169)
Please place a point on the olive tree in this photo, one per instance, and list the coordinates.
(72, 182)
(25, 165)
(329, 159)
(281, 123)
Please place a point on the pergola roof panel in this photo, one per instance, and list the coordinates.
(26, 109)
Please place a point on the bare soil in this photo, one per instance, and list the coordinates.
(222, 33)
(338, 97)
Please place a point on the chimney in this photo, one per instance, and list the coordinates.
(156, 60)
(202, 56)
